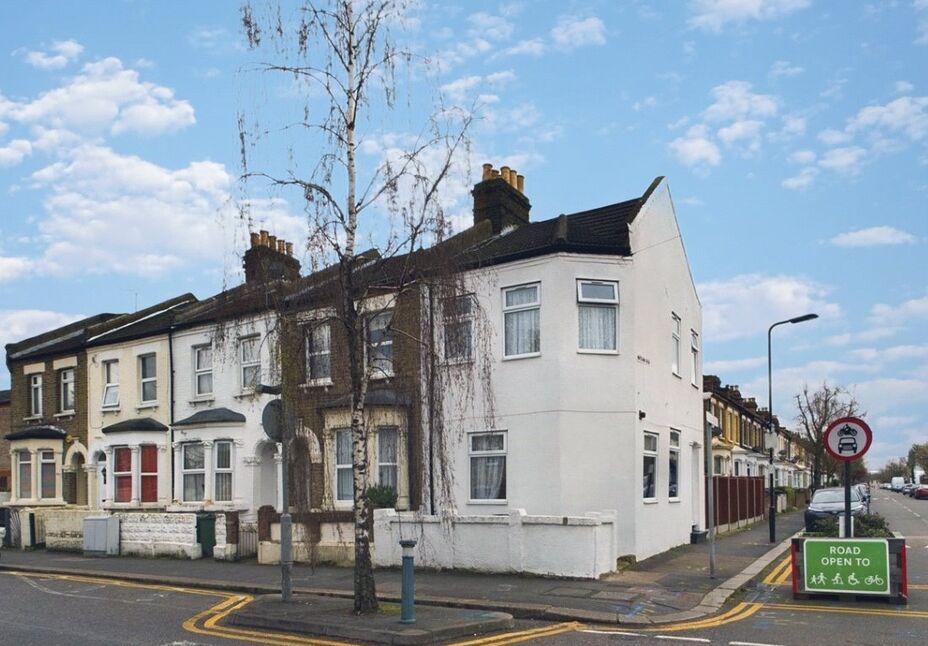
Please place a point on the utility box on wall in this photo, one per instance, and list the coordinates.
(101, 536)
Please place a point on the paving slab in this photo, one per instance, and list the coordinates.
(330, 617)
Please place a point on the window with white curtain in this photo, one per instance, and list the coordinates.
(694, 358)
(222, 491)
(675, 346)
(598, 308)
(488, 466)
(344, 466)
(194, 472)
(650, 467)
(110, 384)
(673, 467)
(387, 456)
(522, 320)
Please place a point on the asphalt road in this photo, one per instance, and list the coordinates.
(771, 617)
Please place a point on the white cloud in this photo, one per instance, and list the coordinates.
(846, 160)
(802, 157)
(532, 47)
(12, 267)
(572, 32)
(783, 68)
(491, 27)
(208, 37)
(14, 152)
(695, 149)
(734, 100)
(906, 115)
(745, 305)
(793, 126)
(894, 353)
(890, 315)
(832, 137)
(714, 15)
(459, 89)
(902, 87)
(733, 365)
(63, 52)
(746, 131)
(802, 180)
(105, 98)
(644, 104)
(872, 237)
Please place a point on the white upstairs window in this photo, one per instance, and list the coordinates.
(35, 395)
(148, 378)
(318, 352)
(598, 309)
(203, 370)
(66, 391)
(110, 384)
(522, 321)
(250, 356)
(675, 345)
(694, 358)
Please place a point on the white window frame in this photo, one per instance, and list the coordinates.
(454, 316)
(46, 457)
(247, 364)
(674, 451)
(651, 453)
(312, 350)
(341, 466)
(110, 385)
(599, 303)
(380, 373)
(36, 393)
(24, 457)
(218, 470)
(476, 454)
(191, 471)
(63, 390)
(199, 370)
(143, 380)
(694, 357)
(147, 474)
(395, 465)
(512, 309)
(116, 475)
(676, 342)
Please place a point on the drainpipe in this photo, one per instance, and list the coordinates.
(171, 386)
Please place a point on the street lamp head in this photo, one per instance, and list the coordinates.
(803, 318)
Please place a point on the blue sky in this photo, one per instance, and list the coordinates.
(794, 134)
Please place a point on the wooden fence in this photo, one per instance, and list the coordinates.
(738, 499)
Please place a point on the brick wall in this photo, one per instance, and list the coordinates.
(4, 447)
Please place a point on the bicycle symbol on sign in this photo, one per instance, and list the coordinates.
(874, 580)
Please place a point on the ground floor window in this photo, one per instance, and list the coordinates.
(673, 466)
(387, 456)
(24, 486)
(149, 472)
(717, 465)
(649, 467)
(194, 472)
(223, 489)
(344, 469)
(488, 466)
(122, 473)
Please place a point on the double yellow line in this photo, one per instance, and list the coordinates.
(780, 575)
(738, 613)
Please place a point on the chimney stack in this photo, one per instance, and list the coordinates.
(270, 259)
(498, 197)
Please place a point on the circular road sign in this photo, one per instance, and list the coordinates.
(847, 438)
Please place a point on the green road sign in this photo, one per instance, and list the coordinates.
(854, 565)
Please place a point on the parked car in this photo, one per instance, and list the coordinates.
(897, 483)
(907, 489)
(827, 503)
(921, 492)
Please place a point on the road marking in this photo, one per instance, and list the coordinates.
(750, 644)
(701, 640)
(739, 612)
(775, 573)
(908, 614)
(917, 586)
(593, 631)
(523, 635)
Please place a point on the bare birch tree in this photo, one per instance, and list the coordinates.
(817, 409)
(342, 61)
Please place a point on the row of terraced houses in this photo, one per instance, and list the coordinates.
(596, 448)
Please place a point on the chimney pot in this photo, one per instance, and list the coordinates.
(487, 171)
(255, 239)
(503, 204)
(272, 242)
(495, 173)
(264, 238)
(504, 171)
(289, 249)
(282, 246)
(520, 183)
(512, 177)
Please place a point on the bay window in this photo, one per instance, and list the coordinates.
(24, 484)
(222, 491)
(522, 321)
(149, 472)
(387, 455)
(487, 466)
(344, 466)
(598, 308)
(122, 473)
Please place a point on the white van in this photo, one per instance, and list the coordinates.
(897, 483)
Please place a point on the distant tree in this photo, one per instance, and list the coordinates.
(917, 457)
(893, 469)
(817, 409)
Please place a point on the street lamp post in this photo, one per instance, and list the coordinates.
(772, 513)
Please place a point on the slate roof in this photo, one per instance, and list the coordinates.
(145, 424)
(43, 432)
(150, 321)
(68, 338)
(212, 416)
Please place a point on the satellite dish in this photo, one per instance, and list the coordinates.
(272, 420)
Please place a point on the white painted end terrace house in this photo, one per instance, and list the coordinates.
(597, 384)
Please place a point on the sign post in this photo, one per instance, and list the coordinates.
(847, 439)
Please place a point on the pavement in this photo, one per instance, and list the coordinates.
(671, 587)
